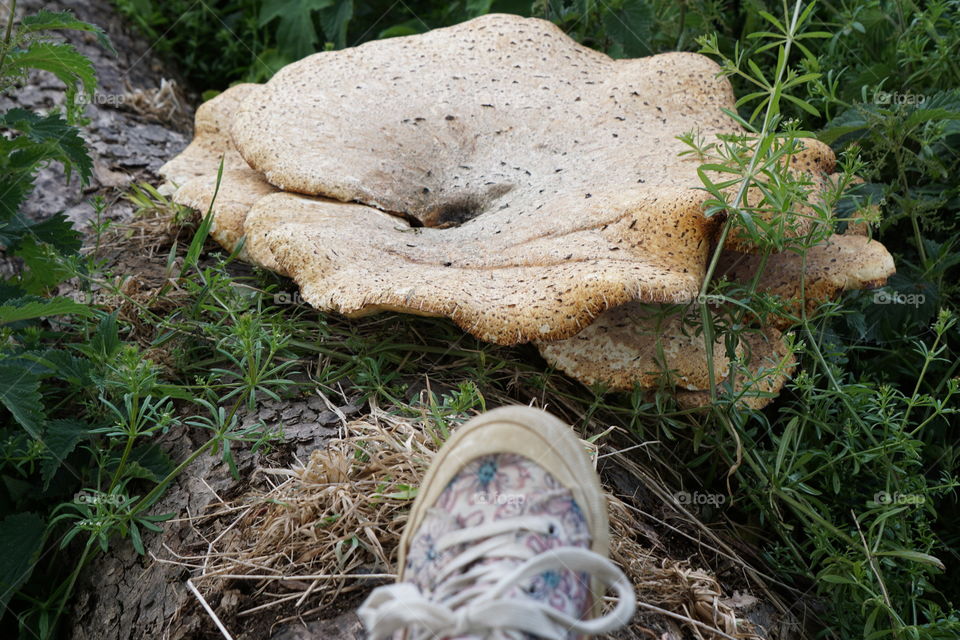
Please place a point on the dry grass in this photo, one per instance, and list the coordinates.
(329, 527)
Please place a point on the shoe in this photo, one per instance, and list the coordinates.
(508, 538)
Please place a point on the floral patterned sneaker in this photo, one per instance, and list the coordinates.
(508, 538)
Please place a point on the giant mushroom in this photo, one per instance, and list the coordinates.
(496, 173)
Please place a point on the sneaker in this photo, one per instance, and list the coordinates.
(508, 538)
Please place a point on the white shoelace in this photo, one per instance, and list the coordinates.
(473, 602)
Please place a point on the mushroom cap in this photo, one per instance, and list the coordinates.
(505, 281)
(620, 348)
(500, 115)
(638, 344)
(211, 139)
(196, 169)
(839, 263)
(500, 174)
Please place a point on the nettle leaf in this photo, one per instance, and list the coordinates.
(296, 34)
(944, 105)
(55, 20)
(104, 342)
(62, 365)
(56, 230)
(60, 439)
(44, 267)
(850, 126)
(153, 460)
(8, 291)
(70, 66)
(13, 193)
(54, 139)
(32, 308)
(21, 538)
(20, 394)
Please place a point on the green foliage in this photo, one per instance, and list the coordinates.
(855, 474)
(80, 405)
(295, 27)
(21, 538)
(33, 141)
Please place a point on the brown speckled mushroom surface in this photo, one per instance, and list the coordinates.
(641, 345)
(500, 174)
(504, 284)
(637, 346)
(238, 191)
(498, 116)
(806, 280)
(648, 346)
(541, 179)
(211, 139)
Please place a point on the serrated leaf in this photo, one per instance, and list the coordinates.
(152, 462)
(21, 538)
(64, 366)
(54, 138)
(43, 267)
(921, 116)
(105, 341)
(9, 292)
(60, 439)
(70, 66)
(296, 34)
(848, 126)
(56, 230)
(20, 394)
(31, 308)
(46, 20)
(14, 190)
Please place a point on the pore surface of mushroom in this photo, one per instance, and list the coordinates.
(637, 346)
